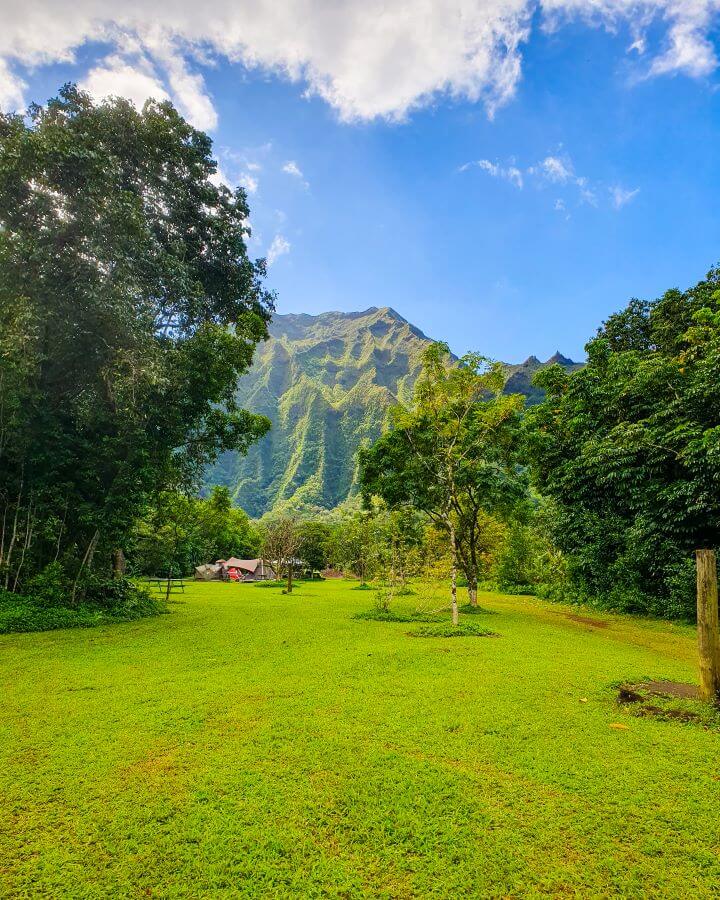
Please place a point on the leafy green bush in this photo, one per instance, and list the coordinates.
(104, 601)
(50, 587)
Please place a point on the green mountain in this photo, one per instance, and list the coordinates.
(327, 383)
(520, 376)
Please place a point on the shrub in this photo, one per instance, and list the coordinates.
(104, 601)
(389, 615)
(50, 587)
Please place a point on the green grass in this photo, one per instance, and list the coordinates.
(251, 744)
(447, 629)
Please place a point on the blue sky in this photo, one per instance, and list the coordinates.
(508, 221)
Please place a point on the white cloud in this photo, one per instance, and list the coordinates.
(509, 173)
(555, 170)
(244, 179)
(560, 170)
(689, 48)
(249, 182)
(117, 78)
(12, 97)
(292, 168)
(620, 196)
(234, 168)
(279, 247)
(366, 58)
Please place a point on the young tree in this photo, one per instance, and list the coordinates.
(356, 544)
(130, 308)
(453, 454)
(282, 539)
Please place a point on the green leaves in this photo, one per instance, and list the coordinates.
(132, 268)
(453, 454)
(631, 442)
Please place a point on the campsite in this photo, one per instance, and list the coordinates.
(235, 569)
(360, 450)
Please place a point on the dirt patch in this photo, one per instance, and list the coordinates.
(681, 715)
(641, 695)
(586, 620)
(672, 689)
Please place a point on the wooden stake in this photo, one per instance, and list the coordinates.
(707, 624)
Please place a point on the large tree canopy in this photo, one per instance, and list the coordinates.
(629, 447)
(128, 308)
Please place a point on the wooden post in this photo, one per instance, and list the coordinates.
(707, 624)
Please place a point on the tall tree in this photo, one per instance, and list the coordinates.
(453, 454)
(629, 449)
(128, 309)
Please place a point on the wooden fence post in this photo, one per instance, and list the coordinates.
(707, 624)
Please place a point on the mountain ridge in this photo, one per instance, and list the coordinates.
(327, 382)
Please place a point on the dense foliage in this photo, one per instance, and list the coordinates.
(629, 450)
(180, 532)
(121, 268)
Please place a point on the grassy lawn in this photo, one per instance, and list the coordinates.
(254, 744)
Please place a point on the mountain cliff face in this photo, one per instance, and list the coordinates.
(326, 382)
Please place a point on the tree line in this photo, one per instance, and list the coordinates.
(604, 490)
(129, 308)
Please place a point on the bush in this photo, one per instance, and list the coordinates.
(104, 601)
(389, 615)
(50, 587)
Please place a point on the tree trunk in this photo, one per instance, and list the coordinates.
(707, 624)
(472, 592)
(118, 563)
(289, 581)
(86, 561)
(453, 575)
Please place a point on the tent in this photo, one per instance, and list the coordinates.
(245, 569)
(208, 572)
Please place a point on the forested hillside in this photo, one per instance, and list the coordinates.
(327, 383)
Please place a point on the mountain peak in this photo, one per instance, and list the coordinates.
(327, 382)
(557, 357)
